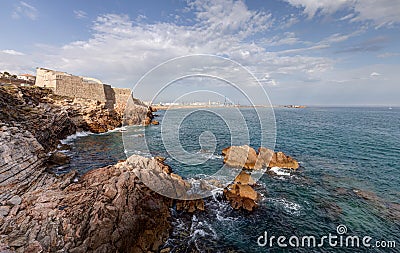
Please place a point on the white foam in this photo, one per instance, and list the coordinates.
(289, 207)
(74, 136)
(209, 155)
(279, 171)
(118, 129)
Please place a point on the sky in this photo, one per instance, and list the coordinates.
(343, 52)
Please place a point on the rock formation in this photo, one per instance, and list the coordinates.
(136, 112)
(106, 210)
(241, 194)
(247, 158)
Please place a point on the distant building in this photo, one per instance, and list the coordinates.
(26, 77)
(65, 84)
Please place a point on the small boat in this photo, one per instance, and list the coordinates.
(390, 108)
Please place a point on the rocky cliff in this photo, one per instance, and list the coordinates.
(106, 210)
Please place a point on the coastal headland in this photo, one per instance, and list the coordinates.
(108, 209)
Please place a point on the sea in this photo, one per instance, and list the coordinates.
(347, 187)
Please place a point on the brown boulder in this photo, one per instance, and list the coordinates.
(240, 156)
(244, 178)
(146, 121)
(59, 158)
(240, 194)
(281, 160)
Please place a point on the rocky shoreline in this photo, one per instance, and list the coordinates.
(108, 209)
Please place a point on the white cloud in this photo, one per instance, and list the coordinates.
(374, 74)
(120, 50)
(11, 52)
(382, 12)
(312, 7)
(79, 14)
(24, 9)
(228, 16)
(388, 54)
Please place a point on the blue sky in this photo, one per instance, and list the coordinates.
(343, 52)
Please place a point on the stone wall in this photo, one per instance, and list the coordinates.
(46, 77)
(121, 96)
(74, 86)
(65, 84)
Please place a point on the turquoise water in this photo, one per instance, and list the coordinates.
(341, 151)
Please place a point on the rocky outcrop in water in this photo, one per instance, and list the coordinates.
(246, 157)
(241, 194)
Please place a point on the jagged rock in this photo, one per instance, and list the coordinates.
(136, 113)
(240, 194)
(279, 159)
(109, 209)
(244, 178)
(59, 158)
(240, 156)
(190, 205)
(247, 158)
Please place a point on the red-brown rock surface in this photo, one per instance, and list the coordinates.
(107, 210)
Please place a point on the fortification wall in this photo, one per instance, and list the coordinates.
(74, 86)
(121, 95)
(46, 78)
(65, 84)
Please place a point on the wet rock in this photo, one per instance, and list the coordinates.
(59, 158)
(155, 122)
(64, 147)
(190, 205)
(240, 194)
(279, 159)
(166, 250)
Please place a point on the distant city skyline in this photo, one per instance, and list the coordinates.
(302, 52)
